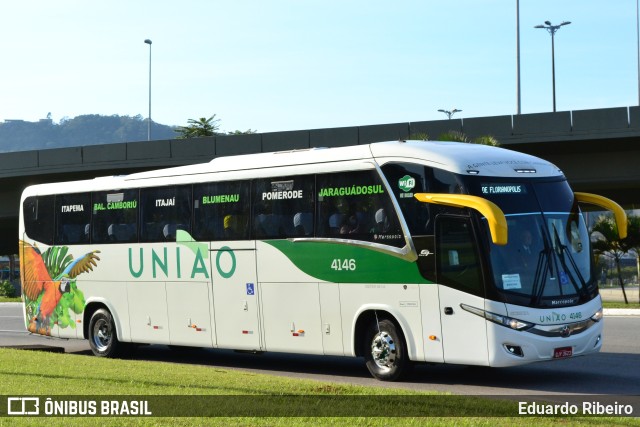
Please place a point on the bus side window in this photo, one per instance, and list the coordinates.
(115, 216)
(73, 218)
(356, 206)
(39, 218)
(164, 211)
(458, 265)
(283, 207)
(221, 210)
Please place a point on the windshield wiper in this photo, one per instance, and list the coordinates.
(544, 266)
(562, 249)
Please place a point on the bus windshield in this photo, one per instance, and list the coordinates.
(547, 261)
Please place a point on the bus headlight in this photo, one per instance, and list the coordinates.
(597, 316)
(509, 322)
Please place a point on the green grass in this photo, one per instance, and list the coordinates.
(620, 304)
(28, 373)
(10, 299)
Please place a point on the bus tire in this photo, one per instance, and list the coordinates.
(103, 338)
(385, 351)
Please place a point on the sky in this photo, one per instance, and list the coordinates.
(283, 65)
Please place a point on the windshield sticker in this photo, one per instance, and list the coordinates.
(511, 281)
(161, 203)
(72, 208)
(406, 183)
(220, 198)
(564, 278)
(354, 190)
(503, 189)
(132, 204)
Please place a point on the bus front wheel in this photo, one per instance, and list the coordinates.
(385, 351)
(103, 338)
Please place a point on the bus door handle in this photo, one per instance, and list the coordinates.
(448, 311)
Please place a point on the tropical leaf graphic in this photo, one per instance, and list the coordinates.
(56, 259)
(69, 302)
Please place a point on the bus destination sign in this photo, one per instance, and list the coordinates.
(504, 189)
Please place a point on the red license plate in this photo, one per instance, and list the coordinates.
(562, 352)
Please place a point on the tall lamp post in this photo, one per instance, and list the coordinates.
(147, 41)
(552, 30)
(518, 102)
(450, 113)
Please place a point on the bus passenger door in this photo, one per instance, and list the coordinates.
(235, 295)
(464, 335)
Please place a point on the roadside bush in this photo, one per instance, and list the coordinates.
(7, 289)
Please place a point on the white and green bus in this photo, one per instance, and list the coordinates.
(398, 252)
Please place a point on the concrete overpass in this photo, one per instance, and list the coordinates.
(598, 150)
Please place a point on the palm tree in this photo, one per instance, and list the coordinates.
(633, 241)
(199, 128)
(457, 136)
(419, 136)
(609, 244)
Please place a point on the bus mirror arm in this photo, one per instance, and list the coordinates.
(608, 204)
(494, 215)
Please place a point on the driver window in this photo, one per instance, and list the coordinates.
(458, 265)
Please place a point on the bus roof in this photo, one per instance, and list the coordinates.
(461, 158)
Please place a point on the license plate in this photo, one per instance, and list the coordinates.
(562, 352)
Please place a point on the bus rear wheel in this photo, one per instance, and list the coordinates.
(385, 351)
(103, 338)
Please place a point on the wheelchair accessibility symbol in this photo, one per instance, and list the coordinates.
(250, 289)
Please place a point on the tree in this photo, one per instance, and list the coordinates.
(633, 241)
(242, 132)
(419, 136)
(457, 136)
(199, 128)
(608, 243)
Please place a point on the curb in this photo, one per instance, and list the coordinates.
(621, 312)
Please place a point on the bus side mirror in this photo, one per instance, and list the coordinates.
(491, 211)
(608, 204)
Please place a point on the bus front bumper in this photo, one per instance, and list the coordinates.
(509, 347)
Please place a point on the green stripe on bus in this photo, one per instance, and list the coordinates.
(340, 263)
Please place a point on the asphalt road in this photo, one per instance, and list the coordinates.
(612, 371)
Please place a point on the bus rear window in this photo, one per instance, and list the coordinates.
(38, 218)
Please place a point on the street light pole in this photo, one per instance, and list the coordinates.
(552, 30)
(518, 103)
(147, 41)
(450, 113)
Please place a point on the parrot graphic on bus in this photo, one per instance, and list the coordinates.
(49, 285)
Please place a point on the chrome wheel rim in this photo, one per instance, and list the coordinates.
(383, 350)
(102, 335)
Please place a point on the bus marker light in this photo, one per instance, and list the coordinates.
(433, 337)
